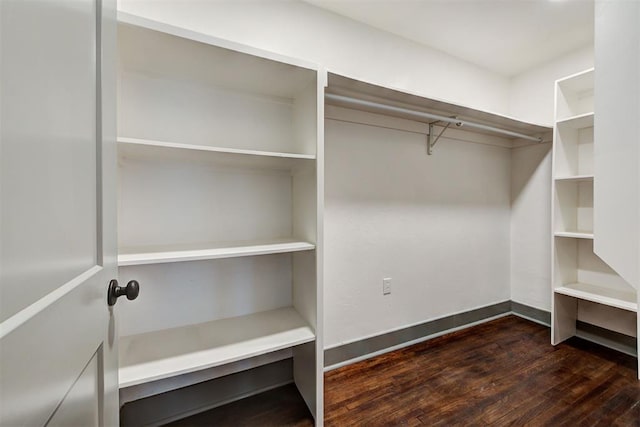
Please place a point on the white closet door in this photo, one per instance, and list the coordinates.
(58, 365)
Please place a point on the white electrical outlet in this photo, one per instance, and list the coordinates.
(386, 286)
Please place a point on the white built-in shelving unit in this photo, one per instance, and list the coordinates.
(585, 288)
(220, 210)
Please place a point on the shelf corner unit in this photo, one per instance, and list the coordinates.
(584, 288)
(219, 150)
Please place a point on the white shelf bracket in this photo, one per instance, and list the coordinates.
(431, 141)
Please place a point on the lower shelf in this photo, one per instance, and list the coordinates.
(625, 300)
(171, 352)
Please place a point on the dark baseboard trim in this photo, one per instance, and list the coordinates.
(531, 313)
(183, 402)
(369, 347)
(356, 351)
(607, 338)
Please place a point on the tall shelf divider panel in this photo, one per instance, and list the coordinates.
(220, 151)
(585, 288)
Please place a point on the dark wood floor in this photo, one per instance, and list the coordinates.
(282, 406)
(503, 372)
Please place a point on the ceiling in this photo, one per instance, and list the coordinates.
(504, 36)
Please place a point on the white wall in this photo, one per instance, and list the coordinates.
(437, 225)
(531, 97)
(531, 225)
(344, 46)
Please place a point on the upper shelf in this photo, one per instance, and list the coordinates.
(576, 83)
(344, 86)
(574, 96)
(193, 252)
(160, 50)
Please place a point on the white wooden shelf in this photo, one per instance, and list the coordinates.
(213, 149)
(579, 121)
(625, 300)
(574, 100)
(196, 57)
(359, 89)
(171, 352)
(574, 234)
(145, 149)
(180, 253)
(579, 82)
(575, 178)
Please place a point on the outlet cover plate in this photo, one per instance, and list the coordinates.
(386, 286)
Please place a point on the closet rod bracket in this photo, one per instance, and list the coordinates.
(431, 141)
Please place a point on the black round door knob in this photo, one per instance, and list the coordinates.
(131, 291)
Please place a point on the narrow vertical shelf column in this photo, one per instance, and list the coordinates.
(584, 287)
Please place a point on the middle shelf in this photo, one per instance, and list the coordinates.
(180, 202)
(169, 352)
(196, 252)
(146, 149)
(574, 234)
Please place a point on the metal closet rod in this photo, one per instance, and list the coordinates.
(422, 115)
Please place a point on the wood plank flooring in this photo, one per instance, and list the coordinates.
(282, 406)
(499, 373)
(503, 372)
